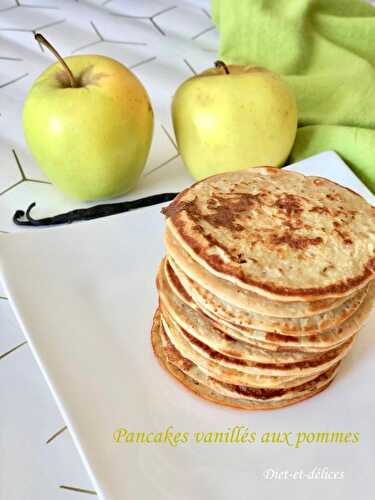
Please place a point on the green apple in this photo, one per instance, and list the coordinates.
(88, 122)
(233, 117)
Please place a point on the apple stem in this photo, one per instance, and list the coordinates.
(221, 64)
(41, 39)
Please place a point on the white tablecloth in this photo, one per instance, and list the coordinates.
(165, 42)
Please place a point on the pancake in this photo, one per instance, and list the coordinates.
(210, 394)
(287, 326)
(272, 340)
(277, 233)
(288, 344)
(269, 276)
(224, 374)
(175, 283)
(181, 262)
(323, 341)
(210, 360)
(198, 325)
(237, 391)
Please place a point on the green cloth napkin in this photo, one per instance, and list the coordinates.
(326, 51)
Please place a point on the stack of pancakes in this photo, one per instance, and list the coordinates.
(268, 278)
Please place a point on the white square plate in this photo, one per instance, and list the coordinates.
(85, 298)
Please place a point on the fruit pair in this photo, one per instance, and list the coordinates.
(88, 122)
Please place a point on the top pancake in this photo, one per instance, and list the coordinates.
(280, 234)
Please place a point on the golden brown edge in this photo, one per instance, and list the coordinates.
(272, 292)
(336, 290)
(201, 391)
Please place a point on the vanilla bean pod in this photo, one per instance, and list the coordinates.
(22, 218)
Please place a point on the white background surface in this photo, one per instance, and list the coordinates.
(86, 297)
(179, 39)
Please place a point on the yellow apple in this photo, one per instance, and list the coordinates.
(233, 117)
(88, 122)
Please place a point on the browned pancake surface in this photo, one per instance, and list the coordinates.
(279, 233)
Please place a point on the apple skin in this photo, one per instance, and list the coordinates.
(225, 122)
(91, 141)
